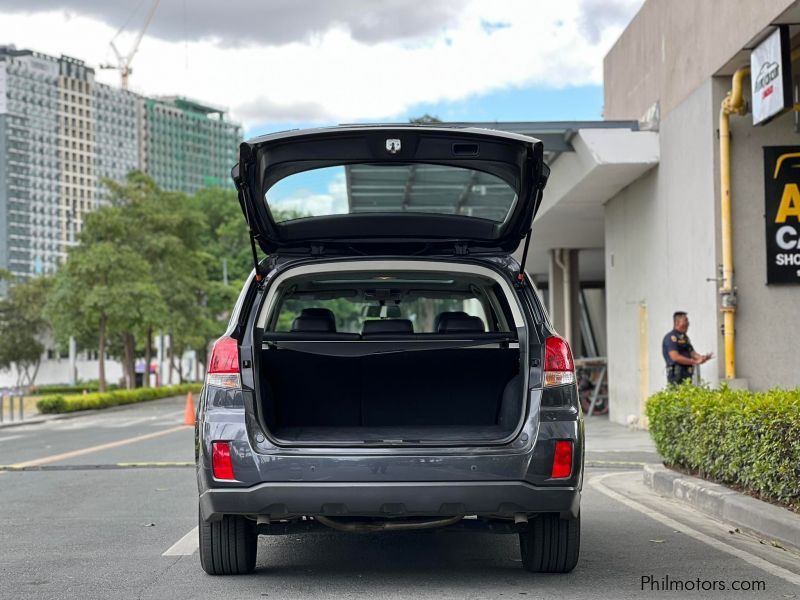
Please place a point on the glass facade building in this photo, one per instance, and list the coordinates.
(62, 134)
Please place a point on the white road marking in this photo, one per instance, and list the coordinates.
(117, 424)
(73, 453)
(8, 438)
(597, 483)
(186, 546)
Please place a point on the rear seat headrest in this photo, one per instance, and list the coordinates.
(320, 312)
(315, 319)
(455, 323)
(379, 326)
(447, 314)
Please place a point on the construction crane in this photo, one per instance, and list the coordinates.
(124, 62)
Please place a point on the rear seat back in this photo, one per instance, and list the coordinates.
(318, 320)
(387, 327)
(447, 314)
(459, 323)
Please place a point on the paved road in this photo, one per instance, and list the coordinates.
(83, 528)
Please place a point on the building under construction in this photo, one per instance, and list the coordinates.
(62, 133)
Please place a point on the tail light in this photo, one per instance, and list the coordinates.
(221, 464)
(559, 368)
(562, 460)
(223, 368)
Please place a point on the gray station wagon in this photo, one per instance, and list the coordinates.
(389, 366)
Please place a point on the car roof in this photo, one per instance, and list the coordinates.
(299, 133)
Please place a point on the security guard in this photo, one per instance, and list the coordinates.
(678, 351)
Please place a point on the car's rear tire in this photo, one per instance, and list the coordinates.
(228, 546)
(551, 544)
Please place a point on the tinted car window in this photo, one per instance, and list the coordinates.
(391, 188)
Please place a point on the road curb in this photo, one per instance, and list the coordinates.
(80, 413)
(761, 518)
(36, 420)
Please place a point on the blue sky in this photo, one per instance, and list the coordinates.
(579, 103)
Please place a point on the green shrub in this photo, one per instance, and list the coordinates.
(61, 403)
(749, 439)
(78, 388)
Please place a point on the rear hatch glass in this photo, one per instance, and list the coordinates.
(391, 188)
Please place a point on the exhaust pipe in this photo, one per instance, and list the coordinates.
(354, 527)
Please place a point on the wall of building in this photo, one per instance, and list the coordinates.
(672, 46)
(29, 188)
(76, 153)
(660, 250)
(767, 324)
(188, 147)
(4, 205)
(118, 135)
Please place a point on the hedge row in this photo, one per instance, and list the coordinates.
(78, 388)
(62, 404)
(748, 439)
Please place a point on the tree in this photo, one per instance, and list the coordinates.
(22, 325)
(101, 289)
(166, 230)
(224, 234)
(426, 118)
(158, 257)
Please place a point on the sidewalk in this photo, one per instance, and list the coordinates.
(8, 415)
(610, 445)
(614, 443)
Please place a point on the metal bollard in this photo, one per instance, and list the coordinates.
(21, 407)
(2, 401)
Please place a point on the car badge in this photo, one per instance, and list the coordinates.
(393, 146)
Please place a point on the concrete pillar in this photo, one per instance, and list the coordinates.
(555, 292)
(575, 340)
(72, 378)
(563, 289)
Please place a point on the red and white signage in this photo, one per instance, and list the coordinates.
(771, 76)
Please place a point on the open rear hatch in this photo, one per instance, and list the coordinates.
(400, 190)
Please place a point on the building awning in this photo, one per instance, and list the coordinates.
(590, 161)
(602, 162)
(412, 186)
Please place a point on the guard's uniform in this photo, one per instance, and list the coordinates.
(675, 340)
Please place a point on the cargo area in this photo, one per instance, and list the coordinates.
(390, 357)
(457, 395)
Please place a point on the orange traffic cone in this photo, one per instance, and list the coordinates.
(188, 415)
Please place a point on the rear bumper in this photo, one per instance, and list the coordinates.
(448, 498)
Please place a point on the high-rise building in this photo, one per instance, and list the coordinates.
(188, 145)
(118, 135)
(30, 170)
(76, 148)
(62, 134)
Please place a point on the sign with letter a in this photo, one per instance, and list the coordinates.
(782, 213)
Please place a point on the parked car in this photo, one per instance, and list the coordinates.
(389, 365)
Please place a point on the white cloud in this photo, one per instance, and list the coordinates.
(296, 194)
(332, 76)
(246, 23)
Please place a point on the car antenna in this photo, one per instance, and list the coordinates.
(521, 274)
